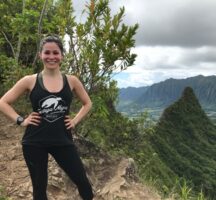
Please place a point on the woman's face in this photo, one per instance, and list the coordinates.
(51, 55)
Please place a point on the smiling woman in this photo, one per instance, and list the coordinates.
(51, 53)
(48, 127)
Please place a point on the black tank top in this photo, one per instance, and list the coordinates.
(52, 107)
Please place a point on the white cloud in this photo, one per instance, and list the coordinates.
(173, 22)
(155, 64)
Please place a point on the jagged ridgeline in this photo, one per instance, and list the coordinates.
(160, 95)
(185, 139)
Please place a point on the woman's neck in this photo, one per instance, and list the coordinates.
(52, 72)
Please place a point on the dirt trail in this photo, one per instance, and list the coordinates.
(112, 179)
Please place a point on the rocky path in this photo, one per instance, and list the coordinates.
(112, 179)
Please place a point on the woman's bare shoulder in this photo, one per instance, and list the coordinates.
(72, 77)
(29, 80)
(73, 81)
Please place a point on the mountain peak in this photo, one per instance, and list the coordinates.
(185, 140)
(188, 91)
(186, 105)
(189, 98)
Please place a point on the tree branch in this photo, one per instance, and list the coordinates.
(8, 41)
(19, 37)
(39, 30)
(72, 50)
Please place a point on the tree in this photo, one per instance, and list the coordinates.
(100, 45)
(23, 23)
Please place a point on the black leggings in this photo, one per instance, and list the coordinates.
(67, 158)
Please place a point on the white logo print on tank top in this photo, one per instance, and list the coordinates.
(52, 108)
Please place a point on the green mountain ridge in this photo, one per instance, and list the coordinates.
(161, 95)
(185, 140)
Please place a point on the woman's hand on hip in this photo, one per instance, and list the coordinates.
(69, 123)
(34, 119)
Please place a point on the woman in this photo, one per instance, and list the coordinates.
(48, 127)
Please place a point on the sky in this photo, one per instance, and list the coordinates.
(175, 39)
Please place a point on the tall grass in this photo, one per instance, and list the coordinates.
(182, 191)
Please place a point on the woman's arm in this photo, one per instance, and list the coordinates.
(81, 93)
(12, 95)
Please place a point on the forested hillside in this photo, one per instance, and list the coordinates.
(185, 140)
(130, 94)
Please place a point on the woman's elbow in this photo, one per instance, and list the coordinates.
(1, 104)
(90, 104)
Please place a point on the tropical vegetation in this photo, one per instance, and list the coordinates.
(96, 48)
